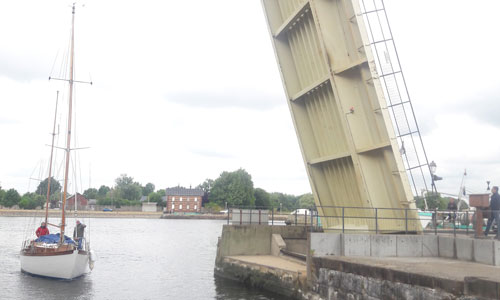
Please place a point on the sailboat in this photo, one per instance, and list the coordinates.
(57, 255)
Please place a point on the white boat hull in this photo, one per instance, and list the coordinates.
(66, 266)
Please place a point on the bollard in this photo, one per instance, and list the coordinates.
(305, 219)
(241, 217)
(295, 217)
(228, 216)
(250, 216)
(259, 216)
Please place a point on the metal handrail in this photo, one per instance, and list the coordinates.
(441, 221)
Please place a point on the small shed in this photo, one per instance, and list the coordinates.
(92, 204)
(149, 206)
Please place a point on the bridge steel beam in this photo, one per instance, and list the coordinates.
(340, 115)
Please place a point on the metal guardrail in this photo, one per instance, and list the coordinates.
(269, 216)
(375, 220)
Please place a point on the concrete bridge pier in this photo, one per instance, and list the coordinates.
(300, 264)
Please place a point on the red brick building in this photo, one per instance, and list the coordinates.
(183, 200)
(81, 200)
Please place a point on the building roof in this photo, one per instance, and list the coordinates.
(79, 196)
(144, 198)
(181, 191)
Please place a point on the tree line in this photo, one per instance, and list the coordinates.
(230, 189)
(236, 189)
(125, 192)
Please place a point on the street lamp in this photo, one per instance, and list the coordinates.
(433, 167)
(434, 177)
(488, 182)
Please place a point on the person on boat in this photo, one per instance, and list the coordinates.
(494, 212)
(42, 230)
(78, 233)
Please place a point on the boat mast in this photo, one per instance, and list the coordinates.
(70, 112)
(50, 163)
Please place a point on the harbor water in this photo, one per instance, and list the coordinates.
(137, 259)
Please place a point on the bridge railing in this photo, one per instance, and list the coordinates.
(364, 219)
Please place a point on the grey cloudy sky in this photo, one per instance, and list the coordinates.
(187, 89)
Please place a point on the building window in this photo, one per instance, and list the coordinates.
(195, 207)
(173, 206)
(187, 206)
(173, 199)
(195, 200)
(180, 206)
(180, 199)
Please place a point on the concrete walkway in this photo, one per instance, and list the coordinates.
(430, 266)
(271, 261)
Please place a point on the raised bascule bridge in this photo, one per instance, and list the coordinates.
(366, 162)
(351, 109)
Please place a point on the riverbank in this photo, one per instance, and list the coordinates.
(195, 217)
(81, 213)
(53, 213)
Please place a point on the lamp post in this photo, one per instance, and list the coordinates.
(488, 182)
(432, 168)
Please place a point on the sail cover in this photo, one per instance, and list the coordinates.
(54, 239)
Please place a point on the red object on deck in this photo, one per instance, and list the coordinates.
(42, 231)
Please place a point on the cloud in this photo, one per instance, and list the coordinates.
(21, 69)
(485, 106)
(232, 98)
(458, 142)
(7, 121)
(212, 153)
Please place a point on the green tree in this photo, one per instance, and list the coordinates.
(306, 201)
(284, 201)
(31, 201)
(90, 193)
(235, 188)
(434, 201)
(103, 191)
(148, 189)
(262, 198)
(54, 199)
(162, 193)
(127, 188)
(55, 186)
(154, 197)
(11, 198)
(2, 194)
(212, 207)
(206, 186)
